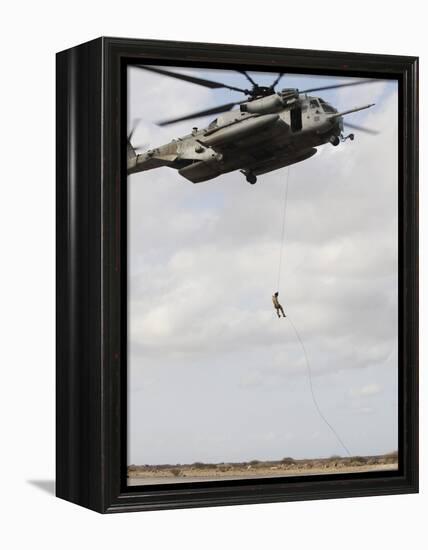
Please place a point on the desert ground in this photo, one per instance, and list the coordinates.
(198, 471)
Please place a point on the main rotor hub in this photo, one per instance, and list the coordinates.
(261, 91)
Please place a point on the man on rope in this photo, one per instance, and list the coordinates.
(277, 305)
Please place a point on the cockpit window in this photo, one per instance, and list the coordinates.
(314, 103)
(328, 108)
(213, 123)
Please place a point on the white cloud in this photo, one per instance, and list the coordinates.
(368, 390)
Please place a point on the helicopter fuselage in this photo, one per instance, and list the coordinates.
(263, 135)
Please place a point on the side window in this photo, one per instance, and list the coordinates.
(314, 104)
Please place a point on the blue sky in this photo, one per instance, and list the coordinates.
(213, 375)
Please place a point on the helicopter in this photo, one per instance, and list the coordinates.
(269, 130)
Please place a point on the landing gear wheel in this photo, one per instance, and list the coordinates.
(351, 137)
(251, 178)
(335, 141)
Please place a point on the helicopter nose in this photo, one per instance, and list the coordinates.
(335, 123)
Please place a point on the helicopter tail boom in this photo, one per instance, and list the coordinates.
(131, 156)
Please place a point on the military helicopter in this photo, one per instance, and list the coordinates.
(268, 131)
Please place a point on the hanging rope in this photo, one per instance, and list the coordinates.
(314, 399)
(281, 244)
(308, 366)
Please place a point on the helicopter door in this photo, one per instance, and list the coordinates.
(296, 118)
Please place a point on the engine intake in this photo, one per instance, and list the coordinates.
(271, 103)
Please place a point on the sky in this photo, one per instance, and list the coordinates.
(213, 375)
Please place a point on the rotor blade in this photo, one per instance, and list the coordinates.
(352, 110)
(248, 77)
(361, 129)
(333, 86)
(193, 79)
(135, 123)
(277, 79)
(212, 111)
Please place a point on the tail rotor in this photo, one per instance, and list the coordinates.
(134, 150)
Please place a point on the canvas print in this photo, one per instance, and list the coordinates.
(262, 275)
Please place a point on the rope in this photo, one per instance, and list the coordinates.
(281, 245)
(308, 366)
(314, 399)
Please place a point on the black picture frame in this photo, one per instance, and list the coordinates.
(91, 275)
